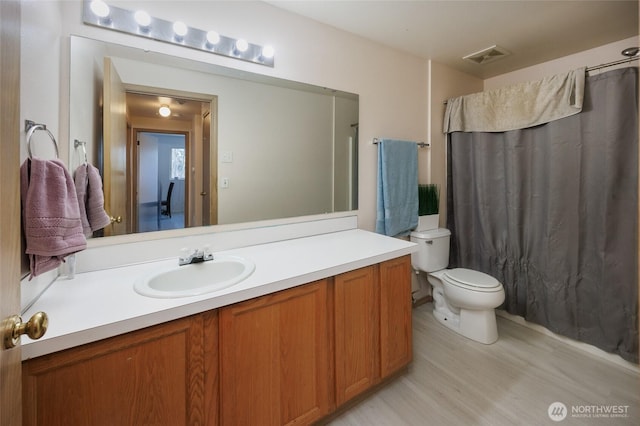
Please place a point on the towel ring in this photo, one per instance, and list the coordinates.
(31, 129)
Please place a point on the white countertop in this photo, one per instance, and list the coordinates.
(101, 304)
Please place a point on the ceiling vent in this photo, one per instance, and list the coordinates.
(490, 54)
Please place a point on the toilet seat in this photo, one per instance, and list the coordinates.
(471, 280)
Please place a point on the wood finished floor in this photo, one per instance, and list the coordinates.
(455, 381)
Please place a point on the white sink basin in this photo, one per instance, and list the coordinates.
(195, 279)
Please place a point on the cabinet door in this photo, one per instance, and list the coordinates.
(151, 376)
(395, 315)
(211, 400)
(275, 358)
(357, 344)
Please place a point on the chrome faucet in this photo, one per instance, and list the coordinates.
(187, 257)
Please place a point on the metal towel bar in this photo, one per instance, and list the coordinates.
(420, 144)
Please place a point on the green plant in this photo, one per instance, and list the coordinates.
(428, 199)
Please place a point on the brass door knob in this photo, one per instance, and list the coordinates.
(13, 328)
(116, 219)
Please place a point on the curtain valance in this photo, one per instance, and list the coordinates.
(517, 106)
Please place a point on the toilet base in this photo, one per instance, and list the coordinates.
(479, 326)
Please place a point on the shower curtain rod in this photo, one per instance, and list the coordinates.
(610, 64)
(597, 67)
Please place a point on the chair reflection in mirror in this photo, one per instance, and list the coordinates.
(165, 205)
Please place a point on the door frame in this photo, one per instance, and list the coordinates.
(10, 139)
(196, 183)
(135, 172)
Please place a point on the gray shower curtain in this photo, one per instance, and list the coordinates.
(551, 211)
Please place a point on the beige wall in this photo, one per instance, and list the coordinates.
(446, 83)
(40, 100)
(392, 85)
(40, 70)
(600, 55)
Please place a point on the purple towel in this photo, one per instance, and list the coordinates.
(90, 198)
(81, 181)
(50, 214)
(98, 218)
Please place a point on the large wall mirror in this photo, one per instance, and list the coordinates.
(234, 146)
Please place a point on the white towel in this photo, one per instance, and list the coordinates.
(517, 106)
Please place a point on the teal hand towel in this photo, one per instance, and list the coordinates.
(397, 191)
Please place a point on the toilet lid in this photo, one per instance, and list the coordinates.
(471, 278)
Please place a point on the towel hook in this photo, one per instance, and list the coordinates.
(77, 143)
(31, 128)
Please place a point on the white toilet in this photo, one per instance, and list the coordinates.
(464, 300)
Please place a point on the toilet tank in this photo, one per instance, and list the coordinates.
(433, 249)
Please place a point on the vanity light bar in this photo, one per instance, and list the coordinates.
(123, 20)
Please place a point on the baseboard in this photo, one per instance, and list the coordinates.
(422, 300)
(613, 358)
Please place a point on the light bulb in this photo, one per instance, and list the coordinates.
(213, 37)
(268, 52)
(99, 8)
(164, 111)
(241, 45)
(180, 28)
(142, 18)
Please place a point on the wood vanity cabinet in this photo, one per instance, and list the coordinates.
(275, 358)
(396, 341)
(150, 376)
(373, 336)
(290, 357)
(357, 337)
